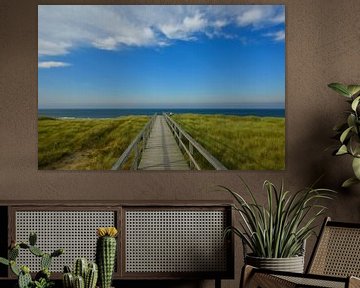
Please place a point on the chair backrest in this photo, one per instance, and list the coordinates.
(337, 251)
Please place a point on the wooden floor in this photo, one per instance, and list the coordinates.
(161, 151)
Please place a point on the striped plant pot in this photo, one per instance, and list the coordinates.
(291, 264)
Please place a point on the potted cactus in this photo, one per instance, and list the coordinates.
(84, 275)
(42, 278)
(106, 254)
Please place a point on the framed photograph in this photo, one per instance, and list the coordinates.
(161, 87)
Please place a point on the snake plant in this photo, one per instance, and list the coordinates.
(280, 228)
(348, 132)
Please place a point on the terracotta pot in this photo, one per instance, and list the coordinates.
(291, 264)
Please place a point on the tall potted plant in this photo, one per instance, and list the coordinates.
(348, 132)
(276, 233)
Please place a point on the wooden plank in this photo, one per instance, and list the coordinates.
(206, 154)
(133, 145)
(161, 151)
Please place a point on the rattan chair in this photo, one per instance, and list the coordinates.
(334, 263)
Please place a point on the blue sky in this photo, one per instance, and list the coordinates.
(170, 56)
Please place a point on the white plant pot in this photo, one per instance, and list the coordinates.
(291, 264)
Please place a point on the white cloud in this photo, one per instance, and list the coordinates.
(220, 23)
(53, 48)
(185, 29)
(279, 18)
(63, 28)
(194, 23)
(261, 15)
(276, 36)
(52, 64)
(252, 16)
(108, 43)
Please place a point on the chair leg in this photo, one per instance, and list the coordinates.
(246, 274)
(250, 278)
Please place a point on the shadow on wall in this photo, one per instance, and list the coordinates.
(333, 169)
(314, 160)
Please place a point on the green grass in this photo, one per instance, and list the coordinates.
(239, 142)
(85, 144)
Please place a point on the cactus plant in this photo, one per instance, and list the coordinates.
(45, 261)
(43, 274)
(91, 276)
(68, 280)
(36, 251)
(42, 278)
(14, 268)
(84, 274)
(24, 277)
(13, 253)
(79, 282)
(32, 239)
(80, 268)
(105, 254)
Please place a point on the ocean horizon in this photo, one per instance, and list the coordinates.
(112, 113)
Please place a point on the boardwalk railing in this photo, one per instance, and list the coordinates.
(180, 134)
(137, 145)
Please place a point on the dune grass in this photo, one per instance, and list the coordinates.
(85, 144)
(239, 142)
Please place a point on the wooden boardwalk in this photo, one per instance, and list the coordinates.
(161, 150)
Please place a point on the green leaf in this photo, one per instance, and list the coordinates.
(342, 150)
(279, 228)
(340, 88)
(355, 103)
(14, 268)
(356, 167)
(345, 134)
(351, 120)
(353, 89)
(354, 143)
(349, 182)
(4, 261)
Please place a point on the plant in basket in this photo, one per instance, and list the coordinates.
(275, 233)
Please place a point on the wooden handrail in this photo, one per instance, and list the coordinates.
(179, 133)
(141, 137)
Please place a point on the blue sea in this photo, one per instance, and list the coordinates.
(110, 113)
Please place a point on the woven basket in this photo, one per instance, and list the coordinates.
(291, 264)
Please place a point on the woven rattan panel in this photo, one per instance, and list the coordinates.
(75, 231)
(175, 241)
(338, 253)
(312, 282)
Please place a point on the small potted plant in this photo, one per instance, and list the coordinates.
(106, 254)
(42, 278)
(84, 274)
(348, 132)
(276, 233)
